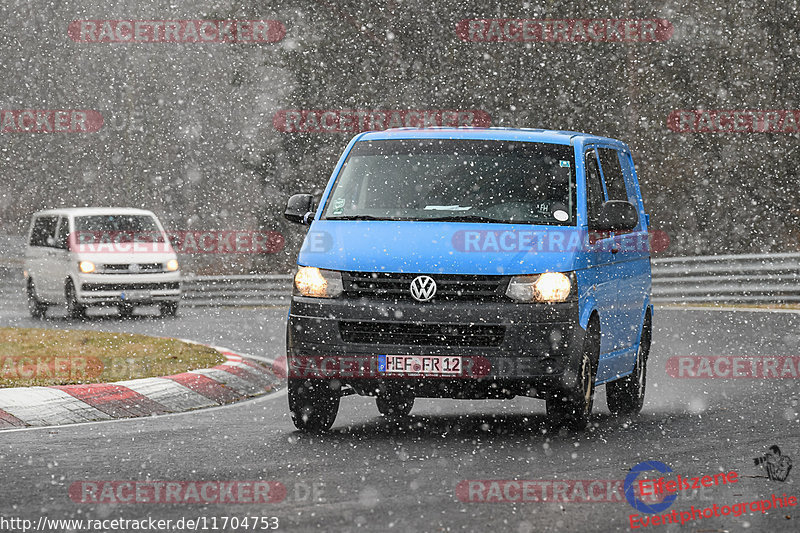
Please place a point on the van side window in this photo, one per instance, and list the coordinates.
(594, 185)
(43, 228)
(63, 233)
(612, 172)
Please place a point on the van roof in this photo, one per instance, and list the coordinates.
(504, 134)
(89, 211)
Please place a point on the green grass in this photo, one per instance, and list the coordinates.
(45, 357)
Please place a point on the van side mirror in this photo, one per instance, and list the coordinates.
(300, 209)
(616, 215)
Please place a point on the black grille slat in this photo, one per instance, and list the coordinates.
(125, 268)
(116, 266)
(449, 286)
(411, 334)
(165, 285)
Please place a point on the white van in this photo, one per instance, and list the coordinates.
(100, 256)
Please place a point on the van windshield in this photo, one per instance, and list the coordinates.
(122, 227)
(456, 180)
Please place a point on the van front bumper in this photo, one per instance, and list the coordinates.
(109, 289)
(507, 348)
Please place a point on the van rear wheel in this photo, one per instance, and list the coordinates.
(36, 308)
(625, 396)
(313, 404)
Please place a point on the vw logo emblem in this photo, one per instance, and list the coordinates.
(423, 288)
(134, 267)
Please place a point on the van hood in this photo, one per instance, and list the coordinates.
(439, 247)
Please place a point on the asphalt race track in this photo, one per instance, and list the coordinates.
(372, 475)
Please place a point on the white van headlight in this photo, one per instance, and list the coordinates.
(87, 267)
(547, 287)
(172, 265)
(317, 282)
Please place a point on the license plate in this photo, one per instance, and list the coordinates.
(419, 364)
(135, 295)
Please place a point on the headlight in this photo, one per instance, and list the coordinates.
(87, 267)
(172, 265)
(547, 287)
(319, 283)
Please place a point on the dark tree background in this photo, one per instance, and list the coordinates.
(188, 127)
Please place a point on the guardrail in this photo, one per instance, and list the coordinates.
(237, 290)
(754, 278)
(766, 278)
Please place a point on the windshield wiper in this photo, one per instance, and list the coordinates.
(463, 218)
(358, 217)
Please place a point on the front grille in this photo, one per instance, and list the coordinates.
(128, 268)
(448, 286)
(413, 334)
(163, 286)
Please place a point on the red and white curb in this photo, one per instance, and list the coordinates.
(234, 380)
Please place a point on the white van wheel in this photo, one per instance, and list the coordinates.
(35, 306)
(169, 309)
(74, 308)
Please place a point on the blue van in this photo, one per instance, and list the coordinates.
(472, 263)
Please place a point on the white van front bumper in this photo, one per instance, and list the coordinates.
(128, 288)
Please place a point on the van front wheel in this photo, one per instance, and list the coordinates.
(572, 406)
(395, 404)
(74, 308)
(313, 404)
(35, 306)
(169, 309)
(625, 396)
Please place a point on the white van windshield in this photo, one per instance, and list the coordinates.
(456, 180)
(125, 227)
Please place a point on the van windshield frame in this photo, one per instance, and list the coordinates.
(456, 180)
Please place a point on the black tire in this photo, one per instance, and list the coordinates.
(74, 308)
(313, 404)
(169, 309)
(395, 404)
(626, 396)
(125, 310)
(37, 309)
(572, 406)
